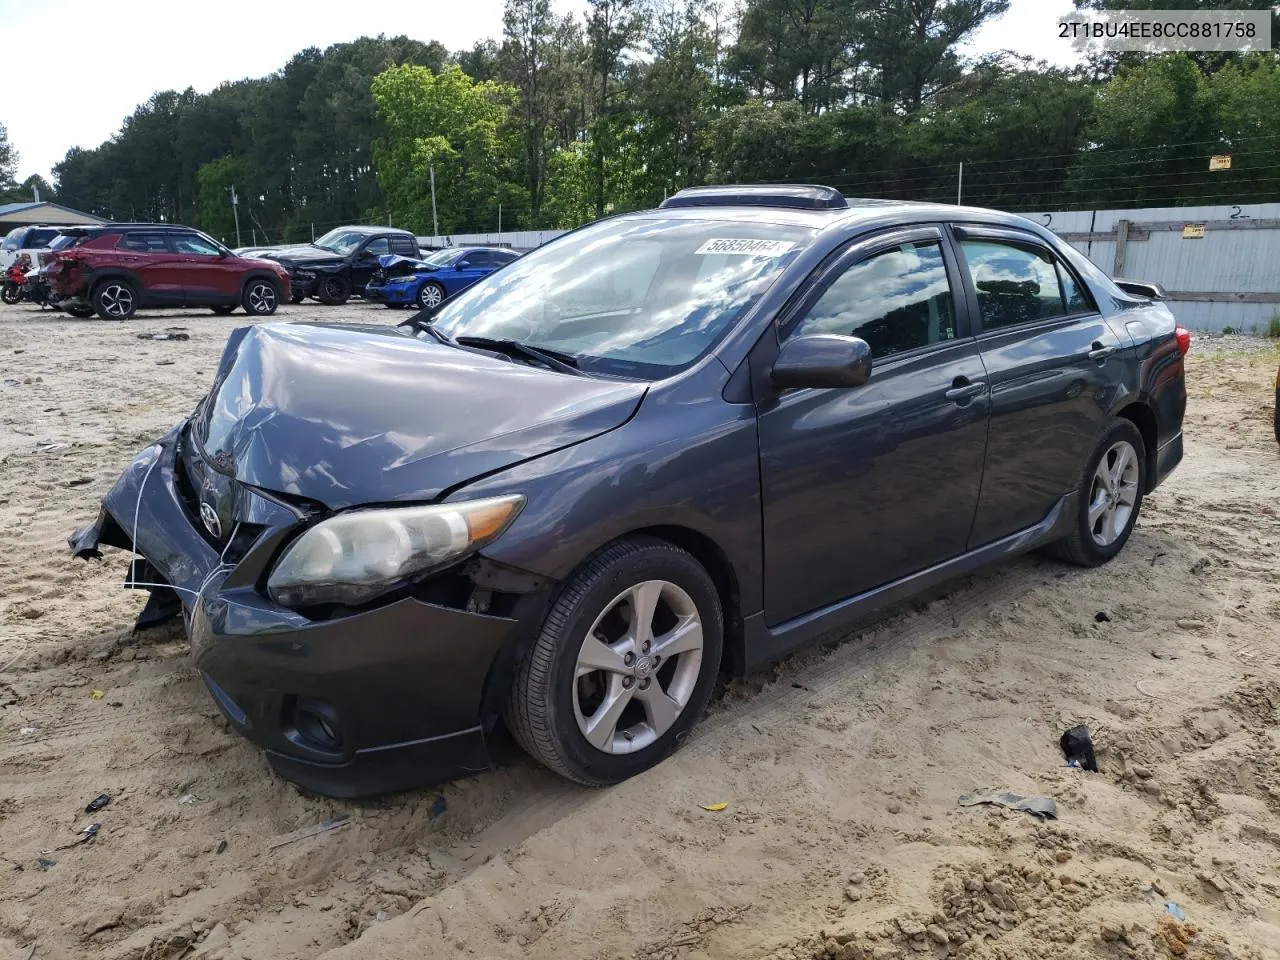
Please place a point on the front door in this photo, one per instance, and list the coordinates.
(471, 268)
(865, 485)
(365, 262)
(1051, 362)
(208, 275)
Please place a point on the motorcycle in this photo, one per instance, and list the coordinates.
(36, 289)
(15, 279)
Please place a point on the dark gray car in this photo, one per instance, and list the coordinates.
(668, 444)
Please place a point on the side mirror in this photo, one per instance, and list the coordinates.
(1142, 288)
(461, 266)
(823, 360)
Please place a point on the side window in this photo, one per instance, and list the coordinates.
(502, 258)
(482, 258)
(896, 300)
(37, 239)
(405, 246)
(377, 247)
(1015, 284)
(1078, 300)
(138, 242)
(192, 244)
(469, 260)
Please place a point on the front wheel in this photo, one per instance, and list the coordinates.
(430, 294)
(79, 312)
(624, 664)
(1110, 498)
(334, 290)
(11, 293)
(260, 298)
(223, 309)
(297, 297)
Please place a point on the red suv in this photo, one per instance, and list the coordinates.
(115, 269)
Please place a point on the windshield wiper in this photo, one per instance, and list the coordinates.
(554, 359)
(419, 322)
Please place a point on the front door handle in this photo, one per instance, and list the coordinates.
(962, 390)
(1101, 351)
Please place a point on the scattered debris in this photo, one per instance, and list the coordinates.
(12, 382)
(1078, 748)
(1175, 910)
(79, 481)
(189, 798)
(27, 731)
(714, 807)
(1041, 807)
(1102, 617)
(31, 950)
(89, 832)
(164, 336)
(97, 803)
(1164, 654)
(52, 446)
(380, 916)
(44, 863)
(303, 833)
(97, 695)
(438, 807)
(221, 848)
(1156, 556)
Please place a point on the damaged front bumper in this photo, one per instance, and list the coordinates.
(364, 702)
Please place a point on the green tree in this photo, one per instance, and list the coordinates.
(8, 162)
(449, 122)
(215, 180)
(528, 28)
(614, 28)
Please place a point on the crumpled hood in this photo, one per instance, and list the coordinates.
(348, 414)
(305, 256)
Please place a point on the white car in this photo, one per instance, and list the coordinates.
(33, 240)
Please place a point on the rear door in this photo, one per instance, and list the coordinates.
(157, 266)
(1053, 364)
(865, 485)
(207, 275)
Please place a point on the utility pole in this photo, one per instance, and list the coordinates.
(959, 183)
(235, 209)
(435, 223)
(499, 222)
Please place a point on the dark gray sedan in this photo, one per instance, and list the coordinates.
(666, 445)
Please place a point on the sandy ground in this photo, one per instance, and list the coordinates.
(841, 768)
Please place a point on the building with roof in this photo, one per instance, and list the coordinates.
(29, 212)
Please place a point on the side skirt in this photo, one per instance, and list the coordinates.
(764, 644)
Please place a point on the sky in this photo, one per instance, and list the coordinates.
(129, 49)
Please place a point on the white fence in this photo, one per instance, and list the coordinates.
(516, 239)
(1220, 265)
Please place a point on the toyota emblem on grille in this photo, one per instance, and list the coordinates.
(209, 518)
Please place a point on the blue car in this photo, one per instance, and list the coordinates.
(401, 282)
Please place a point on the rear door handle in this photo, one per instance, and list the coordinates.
(1101, 351)
(964, 390)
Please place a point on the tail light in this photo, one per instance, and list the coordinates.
(1183, 336)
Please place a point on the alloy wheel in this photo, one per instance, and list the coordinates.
(1113, 493)
(262, 298)
(431, 295)
(117, 300)
(638, 666)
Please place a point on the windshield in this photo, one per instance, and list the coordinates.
(442, 258)
(339, 241)
(640, 298)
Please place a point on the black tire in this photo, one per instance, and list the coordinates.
(260, 297)
(115, 299)
(395, 306)
(11, 293)
(223, 309)
(297, 297)
(1080, 546)
(540, 709)
(80, 313)
(334, 290)
(421, 300)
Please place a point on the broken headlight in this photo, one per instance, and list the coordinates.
(356, 556)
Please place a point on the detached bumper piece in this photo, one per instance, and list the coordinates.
(357, 703)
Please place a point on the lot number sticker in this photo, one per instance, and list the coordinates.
(747, 247)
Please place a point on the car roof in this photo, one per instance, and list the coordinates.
(366, 228)
(871, 212)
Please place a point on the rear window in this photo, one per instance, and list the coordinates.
(144, 242)
(40, 238)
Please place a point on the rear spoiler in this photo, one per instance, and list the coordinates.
(1142, 288)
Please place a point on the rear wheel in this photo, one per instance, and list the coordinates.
(115, 300)
(1110, 498)
(80, 313)
(334, 290)
(224, 309)
(297, 297)
(624, 664)
(260, 297)
(430, 294)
